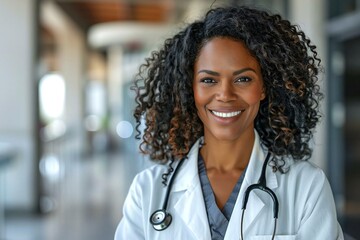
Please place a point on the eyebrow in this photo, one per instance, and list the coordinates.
(234, 73)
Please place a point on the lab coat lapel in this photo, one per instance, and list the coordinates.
(254, 207)
(255, 203)
(190, 206)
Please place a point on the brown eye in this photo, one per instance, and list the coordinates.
(243, 79)
(207, 80)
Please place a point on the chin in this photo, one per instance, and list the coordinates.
(226, 136)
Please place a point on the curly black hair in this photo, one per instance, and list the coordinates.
(289, 64)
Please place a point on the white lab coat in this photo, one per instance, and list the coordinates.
(306, 205)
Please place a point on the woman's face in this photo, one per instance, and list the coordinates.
(228, 88)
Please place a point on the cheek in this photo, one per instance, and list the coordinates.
(200, 104)
(199, 98)
(254, 97)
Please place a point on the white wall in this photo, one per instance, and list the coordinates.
(71, 53)
(17, 19)
(18, 84)
(311, 17)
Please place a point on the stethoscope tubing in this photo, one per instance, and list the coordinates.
(161, 219)
(166, 200)
(261, 185)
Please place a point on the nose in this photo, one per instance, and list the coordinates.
(226, 93)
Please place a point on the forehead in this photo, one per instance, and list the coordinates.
(225, 51)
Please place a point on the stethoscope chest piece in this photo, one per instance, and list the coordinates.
(160, 220)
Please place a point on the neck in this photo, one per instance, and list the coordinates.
(227, 156)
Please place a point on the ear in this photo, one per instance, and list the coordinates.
(263, 94)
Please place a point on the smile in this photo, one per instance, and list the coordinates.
(227, 114)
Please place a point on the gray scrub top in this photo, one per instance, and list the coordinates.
(218, 219)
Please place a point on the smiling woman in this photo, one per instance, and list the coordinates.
(228, 88)
(233, 101)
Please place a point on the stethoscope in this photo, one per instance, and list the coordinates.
(161, 219)
(261, 185)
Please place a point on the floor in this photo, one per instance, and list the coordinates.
(89, 201)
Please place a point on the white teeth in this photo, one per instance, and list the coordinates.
(226, 115)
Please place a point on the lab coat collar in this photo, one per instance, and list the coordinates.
(256, 203)
(256, 163)
(188, 175)
(191, 206)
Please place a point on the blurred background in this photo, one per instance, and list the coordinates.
(67, 148)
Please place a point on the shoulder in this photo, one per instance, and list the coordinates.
(146, 186)
(305, 170)
(306, 176)
(306, 188)
(309, 192)
(150, 175)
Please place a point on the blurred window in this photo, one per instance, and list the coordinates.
(338, 8)
(51, 96)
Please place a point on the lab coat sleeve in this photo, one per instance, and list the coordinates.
(131, 225)
(319, 220)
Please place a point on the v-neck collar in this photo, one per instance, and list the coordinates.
(209, 195)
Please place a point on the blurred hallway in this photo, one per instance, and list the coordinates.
(91, 195)
(66, 122)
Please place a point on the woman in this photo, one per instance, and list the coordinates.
(220, 99)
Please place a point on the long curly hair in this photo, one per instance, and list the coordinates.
(289, 63)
